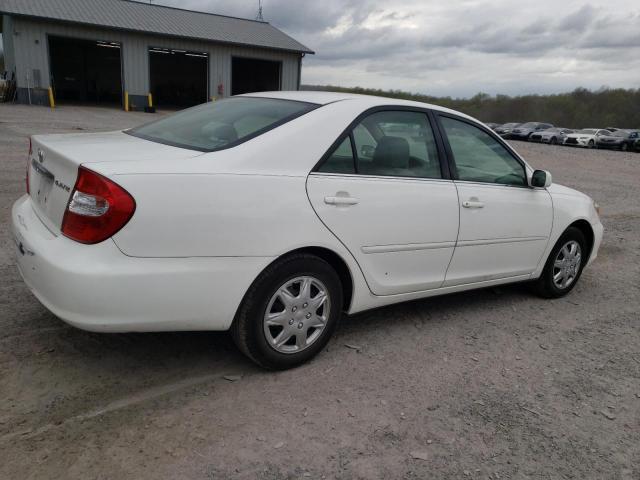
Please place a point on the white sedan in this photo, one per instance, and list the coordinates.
(272, 214)
(587, 137)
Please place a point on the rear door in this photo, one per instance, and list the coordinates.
(504, 224)
(383, 191)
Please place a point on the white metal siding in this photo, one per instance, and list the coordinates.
(135, 56)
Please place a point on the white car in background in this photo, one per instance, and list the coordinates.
(271, 214)
(587, 137)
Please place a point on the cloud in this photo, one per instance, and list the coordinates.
(457, 48)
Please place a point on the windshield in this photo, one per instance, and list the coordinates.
(222, 124)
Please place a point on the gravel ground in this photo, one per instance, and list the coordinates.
(489, 384)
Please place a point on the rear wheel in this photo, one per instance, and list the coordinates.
(564, 265)
(289, 313)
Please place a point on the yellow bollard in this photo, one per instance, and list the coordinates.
(150, 100)
(213, 99)
(126, 101)
(52, 102)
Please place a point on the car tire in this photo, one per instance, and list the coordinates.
(260, 340)
(554, 141)
(591, 144)
(562, 271)
(624, 147)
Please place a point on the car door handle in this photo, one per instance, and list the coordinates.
(341, 200)
(472, 204)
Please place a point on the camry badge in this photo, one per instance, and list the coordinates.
(40, 155)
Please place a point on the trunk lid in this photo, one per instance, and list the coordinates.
(54, 162)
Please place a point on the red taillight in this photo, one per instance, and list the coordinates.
(29, 164)
(98, 208)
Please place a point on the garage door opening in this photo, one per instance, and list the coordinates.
(85, 71)
(178, 78)
(253, 75)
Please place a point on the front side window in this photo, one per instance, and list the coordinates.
(481, 158)
(222, 124)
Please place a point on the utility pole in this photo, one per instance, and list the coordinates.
(259, 17)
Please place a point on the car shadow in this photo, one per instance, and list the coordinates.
(66, 372)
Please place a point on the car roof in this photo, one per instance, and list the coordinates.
(368, 101)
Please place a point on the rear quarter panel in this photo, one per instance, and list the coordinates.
(225, 215)
(222, 215)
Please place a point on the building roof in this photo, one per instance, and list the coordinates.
(157, 19)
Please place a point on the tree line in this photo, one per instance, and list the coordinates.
(582, 108)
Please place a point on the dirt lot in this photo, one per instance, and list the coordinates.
(490, 384)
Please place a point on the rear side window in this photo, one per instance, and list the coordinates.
(341, 160)
(390, 144)
(222, 124)
(479, 157)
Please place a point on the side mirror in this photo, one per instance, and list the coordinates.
(541, 179)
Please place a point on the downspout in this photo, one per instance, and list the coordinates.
(300, 69)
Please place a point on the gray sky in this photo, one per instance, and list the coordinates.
(457, 47)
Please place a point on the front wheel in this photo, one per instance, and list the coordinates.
(289, 313)
(564, 265)
(624, 147)
(591, 144)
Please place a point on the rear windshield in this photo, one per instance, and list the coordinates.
(222, 124)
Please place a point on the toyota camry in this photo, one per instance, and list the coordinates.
(272, 214)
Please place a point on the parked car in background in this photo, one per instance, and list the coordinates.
(621, 139)
(270, 214)
(554, 135)
(587, 137)
(492, 125)
(505, 130)
(524, 131)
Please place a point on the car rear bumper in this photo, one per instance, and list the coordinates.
(98, 288)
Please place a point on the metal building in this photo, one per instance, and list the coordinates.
(120, 51)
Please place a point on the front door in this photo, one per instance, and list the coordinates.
(504, 224)
(382, 193)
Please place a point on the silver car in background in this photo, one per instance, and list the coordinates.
(553, 136)
(505, 130)
(620, 139)
(524, 131)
